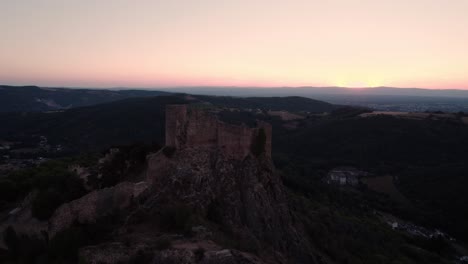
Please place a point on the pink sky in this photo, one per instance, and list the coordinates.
(354, 43)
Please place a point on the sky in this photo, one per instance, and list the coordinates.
(160, 43)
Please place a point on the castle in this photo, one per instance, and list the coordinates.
(190, 127)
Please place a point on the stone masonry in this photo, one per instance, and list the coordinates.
(186, 127)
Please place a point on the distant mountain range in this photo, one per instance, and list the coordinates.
(310, 91)
(40, 99)
(379, 98)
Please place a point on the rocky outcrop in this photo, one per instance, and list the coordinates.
(241, 193)
(243, 196)
(225, 256)
(22, 221)
(112, 253)
(219, 173)
(97, 204)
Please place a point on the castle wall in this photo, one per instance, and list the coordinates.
(268, 133)
(196, 128)
(176, 117)
(234, 140)
(201, 129)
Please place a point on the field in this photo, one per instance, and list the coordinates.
(384, 184)
(411, 115)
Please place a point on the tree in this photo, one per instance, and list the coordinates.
(8, 190)
(258, 146)
(45, 204)
(11, 240)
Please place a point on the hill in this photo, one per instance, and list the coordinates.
(288, 103)
(314, 91)
(382, 98)
(201, 203)
(93, 127)
(426, 157)
(415, 151)
(127, 121)
(35, 99)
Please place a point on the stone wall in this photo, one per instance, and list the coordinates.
(175, 116)
(187, 127)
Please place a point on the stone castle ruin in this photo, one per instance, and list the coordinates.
(220, 173)
(190, 127)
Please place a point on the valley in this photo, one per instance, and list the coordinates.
(75, 162)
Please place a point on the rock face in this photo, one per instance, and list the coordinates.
(241, 193)
(97, 204)
(222, 173)
(112, 253)
(22, 220)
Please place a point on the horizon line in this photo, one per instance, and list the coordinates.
(227, 86)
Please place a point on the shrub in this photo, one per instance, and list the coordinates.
(24, 249)
(8, 190)
(11, 240)
(199, 254)
(141, 257)
(47, 200)
(168, 151)
(163, 243)
(175, 217)
(45, 204)
(249, 244)
(258, 146)
(65, 245)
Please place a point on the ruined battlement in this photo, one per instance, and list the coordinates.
(187, 127)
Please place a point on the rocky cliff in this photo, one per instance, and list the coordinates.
(97, 204)
(244, 197)
(240, 193)
(223, 175)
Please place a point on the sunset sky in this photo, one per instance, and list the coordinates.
(154, 43)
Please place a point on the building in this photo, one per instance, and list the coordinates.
(192, 127)
(345, 176)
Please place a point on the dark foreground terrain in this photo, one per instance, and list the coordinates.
(342, 185)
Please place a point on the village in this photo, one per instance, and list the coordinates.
(15, 155)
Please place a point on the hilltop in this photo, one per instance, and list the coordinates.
(208, 196)
(38, 99)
